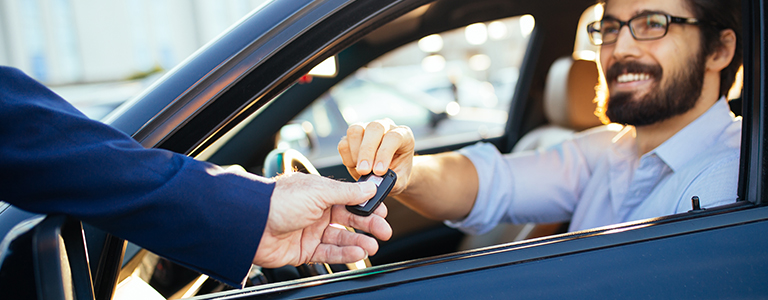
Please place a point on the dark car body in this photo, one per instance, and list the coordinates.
(713, 253)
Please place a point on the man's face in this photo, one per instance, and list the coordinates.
(651, 81)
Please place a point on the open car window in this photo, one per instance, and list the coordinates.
(451, 87)
(457, 93)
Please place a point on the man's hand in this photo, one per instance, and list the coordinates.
(376, 147)
(302, 209)
(441, 186)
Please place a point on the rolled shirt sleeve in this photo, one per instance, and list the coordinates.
(597, 178)
(541, 186)
(535, 186)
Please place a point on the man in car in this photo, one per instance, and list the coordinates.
(667, 65)
(217, 221)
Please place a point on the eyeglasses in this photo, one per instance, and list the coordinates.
(648, 26)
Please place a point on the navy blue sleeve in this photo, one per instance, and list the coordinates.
(56, 160)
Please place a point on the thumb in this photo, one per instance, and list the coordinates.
(348, 193)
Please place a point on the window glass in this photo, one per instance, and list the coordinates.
(451, 87)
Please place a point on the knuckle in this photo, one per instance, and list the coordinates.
(377, 126)
(343, 145)
(405, 129)
(355, 130)
(395, 134)
(370, 144)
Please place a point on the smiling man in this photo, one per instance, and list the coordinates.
(667, 65)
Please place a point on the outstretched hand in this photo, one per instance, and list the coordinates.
(299, 229)
(376, 147)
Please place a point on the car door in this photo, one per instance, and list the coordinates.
(203, 101)
(580, 248)
(226, 89)
(450, 94)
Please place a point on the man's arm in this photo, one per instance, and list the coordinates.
(56, 160)
(442, 186)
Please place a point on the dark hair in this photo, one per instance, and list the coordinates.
(727, 15)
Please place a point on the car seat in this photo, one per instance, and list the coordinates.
(569, 107)
(568, 104)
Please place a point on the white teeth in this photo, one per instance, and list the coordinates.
(632, 77)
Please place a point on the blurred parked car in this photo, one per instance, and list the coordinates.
(326, 120)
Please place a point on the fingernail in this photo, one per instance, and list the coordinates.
(380, 167)
(367, 187)
(363, 165)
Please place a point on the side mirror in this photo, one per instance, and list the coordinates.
(328, 68)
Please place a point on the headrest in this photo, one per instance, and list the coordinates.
(569, 93)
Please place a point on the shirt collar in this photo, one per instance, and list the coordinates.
(686, 143)
(697, 137)
(624, 142)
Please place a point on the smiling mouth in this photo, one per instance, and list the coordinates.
(630, 77)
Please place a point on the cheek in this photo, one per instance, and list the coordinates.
(603, 58)
(673, 56)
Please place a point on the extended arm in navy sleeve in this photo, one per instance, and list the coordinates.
(56, 160)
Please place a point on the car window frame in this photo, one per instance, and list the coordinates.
(751, 186)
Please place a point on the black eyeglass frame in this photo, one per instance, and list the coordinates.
(591, 27)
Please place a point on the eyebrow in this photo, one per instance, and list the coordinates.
(638, 13)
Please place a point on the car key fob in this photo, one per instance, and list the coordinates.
(384, 185)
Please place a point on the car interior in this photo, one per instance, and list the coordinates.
(560, 103)
(545, 90)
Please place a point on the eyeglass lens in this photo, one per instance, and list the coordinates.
(643, 27)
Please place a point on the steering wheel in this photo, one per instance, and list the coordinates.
(280, 161)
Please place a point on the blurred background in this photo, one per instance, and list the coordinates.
(451, 86)
(98, 54)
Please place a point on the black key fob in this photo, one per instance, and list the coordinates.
(384, 185)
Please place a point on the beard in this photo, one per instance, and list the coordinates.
(677, 96)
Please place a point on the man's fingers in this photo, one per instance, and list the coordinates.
(339, 246)
(374, 224)
(333, 254)
(345, 152)
(343, 237)
(397, 140)
(381, 211)
(359, 148)
(355, 134)
(374, 132)
(347, 193)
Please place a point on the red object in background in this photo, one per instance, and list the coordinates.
(305, 79)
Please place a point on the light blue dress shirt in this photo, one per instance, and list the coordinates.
(596, 178)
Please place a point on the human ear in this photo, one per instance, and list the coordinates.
(722, 56)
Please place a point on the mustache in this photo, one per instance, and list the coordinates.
(632, 67)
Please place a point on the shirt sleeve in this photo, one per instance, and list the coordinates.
(533, 186)
(56, 160)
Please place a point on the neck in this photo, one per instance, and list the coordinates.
(649, 137)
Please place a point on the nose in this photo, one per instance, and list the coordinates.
(625, 45)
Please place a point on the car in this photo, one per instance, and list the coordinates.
(229, 102)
